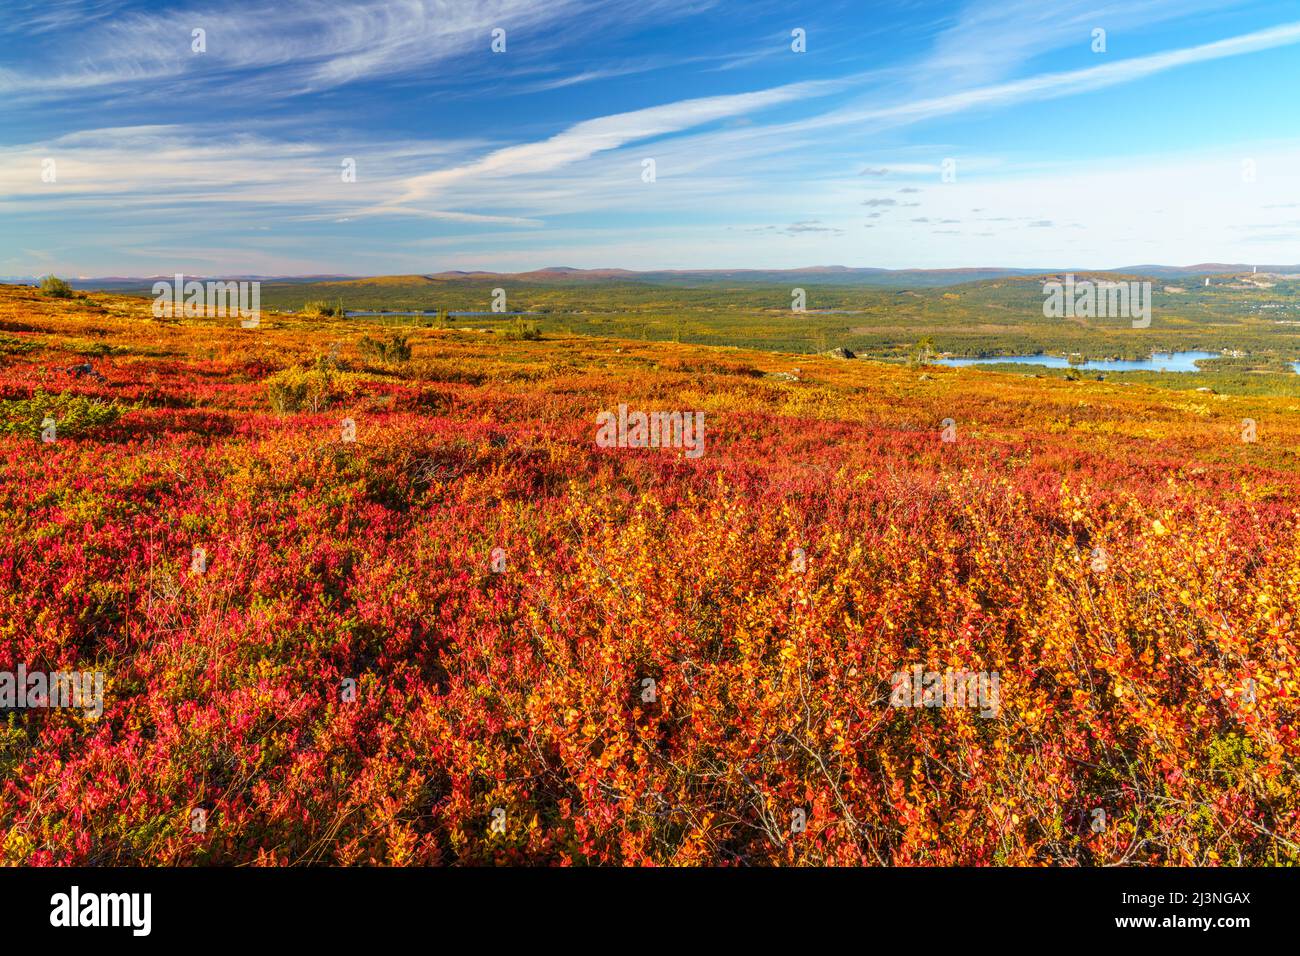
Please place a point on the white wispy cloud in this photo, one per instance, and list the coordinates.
(518, 175)
(587, 138)
(739, 158)
(291, 47)
(987, 41)
(1049, 85)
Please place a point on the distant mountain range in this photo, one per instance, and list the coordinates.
(116, 283)
(811, 275)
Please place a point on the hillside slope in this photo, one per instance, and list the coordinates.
(670, 659)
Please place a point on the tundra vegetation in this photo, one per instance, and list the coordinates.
(1003, 316)
(472, 635)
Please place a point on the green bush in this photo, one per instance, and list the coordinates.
(56, 288)
(321, 308)
(921, 352)
(397, 349)
(521, 330)
(297, 389)
(13, 346)
(73, 414)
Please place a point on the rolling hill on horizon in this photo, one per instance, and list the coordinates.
(964, 313)
(816, 275)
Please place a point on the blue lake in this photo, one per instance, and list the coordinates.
(1159, 362)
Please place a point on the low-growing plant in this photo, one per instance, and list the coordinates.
(301, 388)
(73, 414)
(921, 352)
(319, 307)
(15, 346)
(519, 330)
(93, 349)
(394, 351)
(56, 288)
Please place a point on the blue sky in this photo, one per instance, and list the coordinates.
(123, 151)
